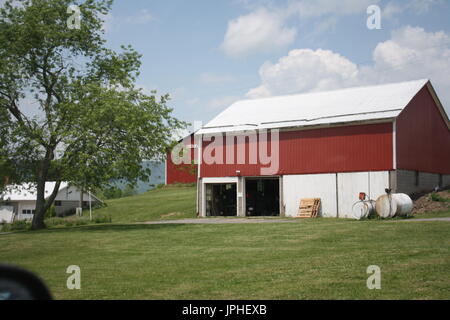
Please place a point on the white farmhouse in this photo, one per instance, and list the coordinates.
(19, 202)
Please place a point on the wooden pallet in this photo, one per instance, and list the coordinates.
(309, 208)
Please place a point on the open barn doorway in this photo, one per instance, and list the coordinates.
(221, 200)
(262, 197)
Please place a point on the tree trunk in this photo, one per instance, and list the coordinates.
(39, 215)
(43, 205)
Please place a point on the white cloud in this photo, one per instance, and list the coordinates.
(258, 31)
(213, 78)
(305, 70)
(411, 53)
(265, 29)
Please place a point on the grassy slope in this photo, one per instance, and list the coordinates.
(175, 202)
(165, 203)
(312, 259)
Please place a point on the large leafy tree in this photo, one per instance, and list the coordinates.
(69, 107)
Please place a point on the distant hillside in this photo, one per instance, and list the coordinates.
(170, 202)
(158, 176)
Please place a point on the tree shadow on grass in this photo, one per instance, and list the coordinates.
(110, 228)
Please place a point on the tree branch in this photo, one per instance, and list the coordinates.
(53, 195)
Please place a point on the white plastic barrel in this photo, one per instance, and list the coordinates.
(396, 204)
(363, 209)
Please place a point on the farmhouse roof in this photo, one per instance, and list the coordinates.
(358, 104)
(28, 192)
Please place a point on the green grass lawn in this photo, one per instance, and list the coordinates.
(436, 214)
(166, 203)
(312, 259)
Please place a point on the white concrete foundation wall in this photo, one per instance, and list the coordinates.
(296, 187)
(351, 184)
(379, 182)
(323, 186)
(406, 181)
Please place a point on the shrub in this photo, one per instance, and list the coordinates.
(66, 222)
(100, 218)
(51, 222)
(128, 191)
(16, 226)
(80, 222)
(112, 193)
(51, 212)
(69, 212)
(77, 221)
(435, 197)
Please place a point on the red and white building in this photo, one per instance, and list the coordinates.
(184, 173)
(331, 145)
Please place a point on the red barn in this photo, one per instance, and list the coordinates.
(260, 157)
(182, 172)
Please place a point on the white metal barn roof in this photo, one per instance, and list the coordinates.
(27, 192)
(339, 106)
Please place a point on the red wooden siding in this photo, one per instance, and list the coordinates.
(182, 173)
(423, 138)
(325, 150)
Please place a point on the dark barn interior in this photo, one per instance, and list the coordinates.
(221, 200)
(262, 197)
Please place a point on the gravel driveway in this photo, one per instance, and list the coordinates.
(428, 219)
(222, 221)
(257, 220)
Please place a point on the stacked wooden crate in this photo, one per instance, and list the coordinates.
(309, 208)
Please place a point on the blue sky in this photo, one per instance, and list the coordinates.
(207, 54)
